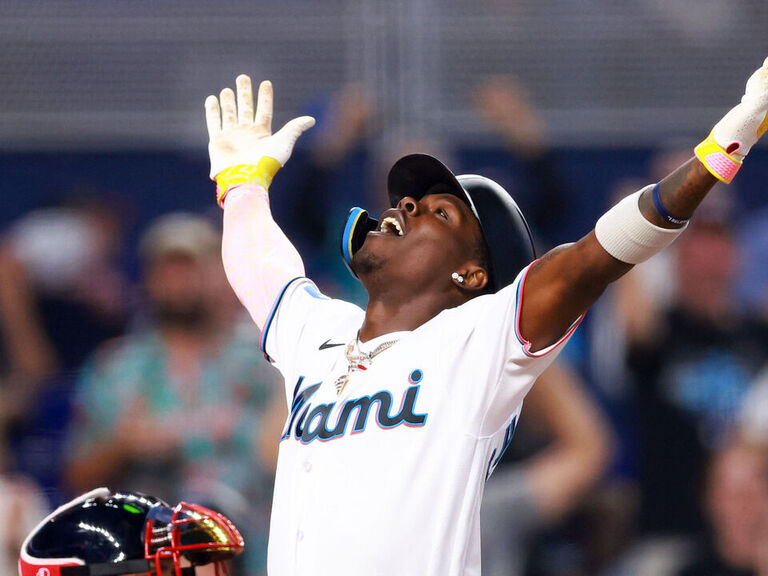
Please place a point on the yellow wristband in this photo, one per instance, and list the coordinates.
(262, 174)
(721, 165)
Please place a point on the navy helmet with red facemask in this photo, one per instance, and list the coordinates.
(105, 533)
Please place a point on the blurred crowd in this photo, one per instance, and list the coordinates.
(643, 451)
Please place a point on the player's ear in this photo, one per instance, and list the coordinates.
(472, 277)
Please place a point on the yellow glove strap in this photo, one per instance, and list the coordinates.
(721, 165)
(763, 128)
(262, 174)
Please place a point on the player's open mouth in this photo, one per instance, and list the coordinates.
(391, 225)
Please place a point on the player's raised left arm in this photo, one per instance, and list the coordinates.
(258, 258)
(568, 279)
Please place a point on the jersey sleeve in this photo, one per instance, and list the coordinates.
(301, 320)
(499, 363)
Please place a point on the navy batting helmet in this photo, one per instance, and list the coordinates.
(506, 233)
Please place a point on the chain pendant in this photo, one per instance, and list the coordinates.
(340, 383)
(359, 361)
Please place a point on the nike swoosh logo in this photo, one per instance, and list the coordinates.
(326, 344)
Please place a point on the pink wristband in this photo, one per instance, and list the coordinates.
(720, 164)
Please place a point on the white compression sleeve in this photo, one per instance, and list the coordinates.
(627, 236)
(258, 258)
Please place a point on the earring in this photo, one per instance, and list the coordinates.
(458, 277)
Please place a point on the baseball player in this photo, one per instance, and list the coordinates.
(398, 413)
(105, 533)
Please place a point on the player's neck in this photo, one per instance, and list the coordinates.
(383, 317)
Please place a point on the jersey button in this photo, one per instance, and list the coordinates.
(307, 466)
(300, 535)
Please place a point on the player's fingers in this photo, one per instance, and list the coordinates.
(228, 109)
(212, 116)
(264, 106)
(287, 135)
(244, 100)
(757, 84)
(299, 125)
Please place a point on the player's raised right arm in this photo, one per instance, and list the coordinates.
(258, 258)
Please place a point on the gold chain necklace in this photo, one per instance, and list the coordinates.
(360, 361)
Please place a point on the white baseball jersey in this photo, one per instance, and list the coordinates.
(387, 478)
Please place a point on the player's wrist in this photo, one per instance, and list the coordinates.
(627, 235)
(261, 173)
(717, 159)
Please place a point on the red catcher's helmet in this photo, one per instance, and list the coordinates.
(112, 533)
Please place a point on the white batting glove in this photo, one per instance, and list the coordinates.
(731, 139)
(242, 148)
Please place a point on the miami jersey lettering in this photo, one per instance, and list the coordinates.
(308, 422)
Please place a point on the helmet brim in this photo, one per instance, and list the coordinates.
(418, 175)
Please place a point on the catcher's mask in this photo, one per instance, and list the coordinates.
(104, 533)
(505, 231)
